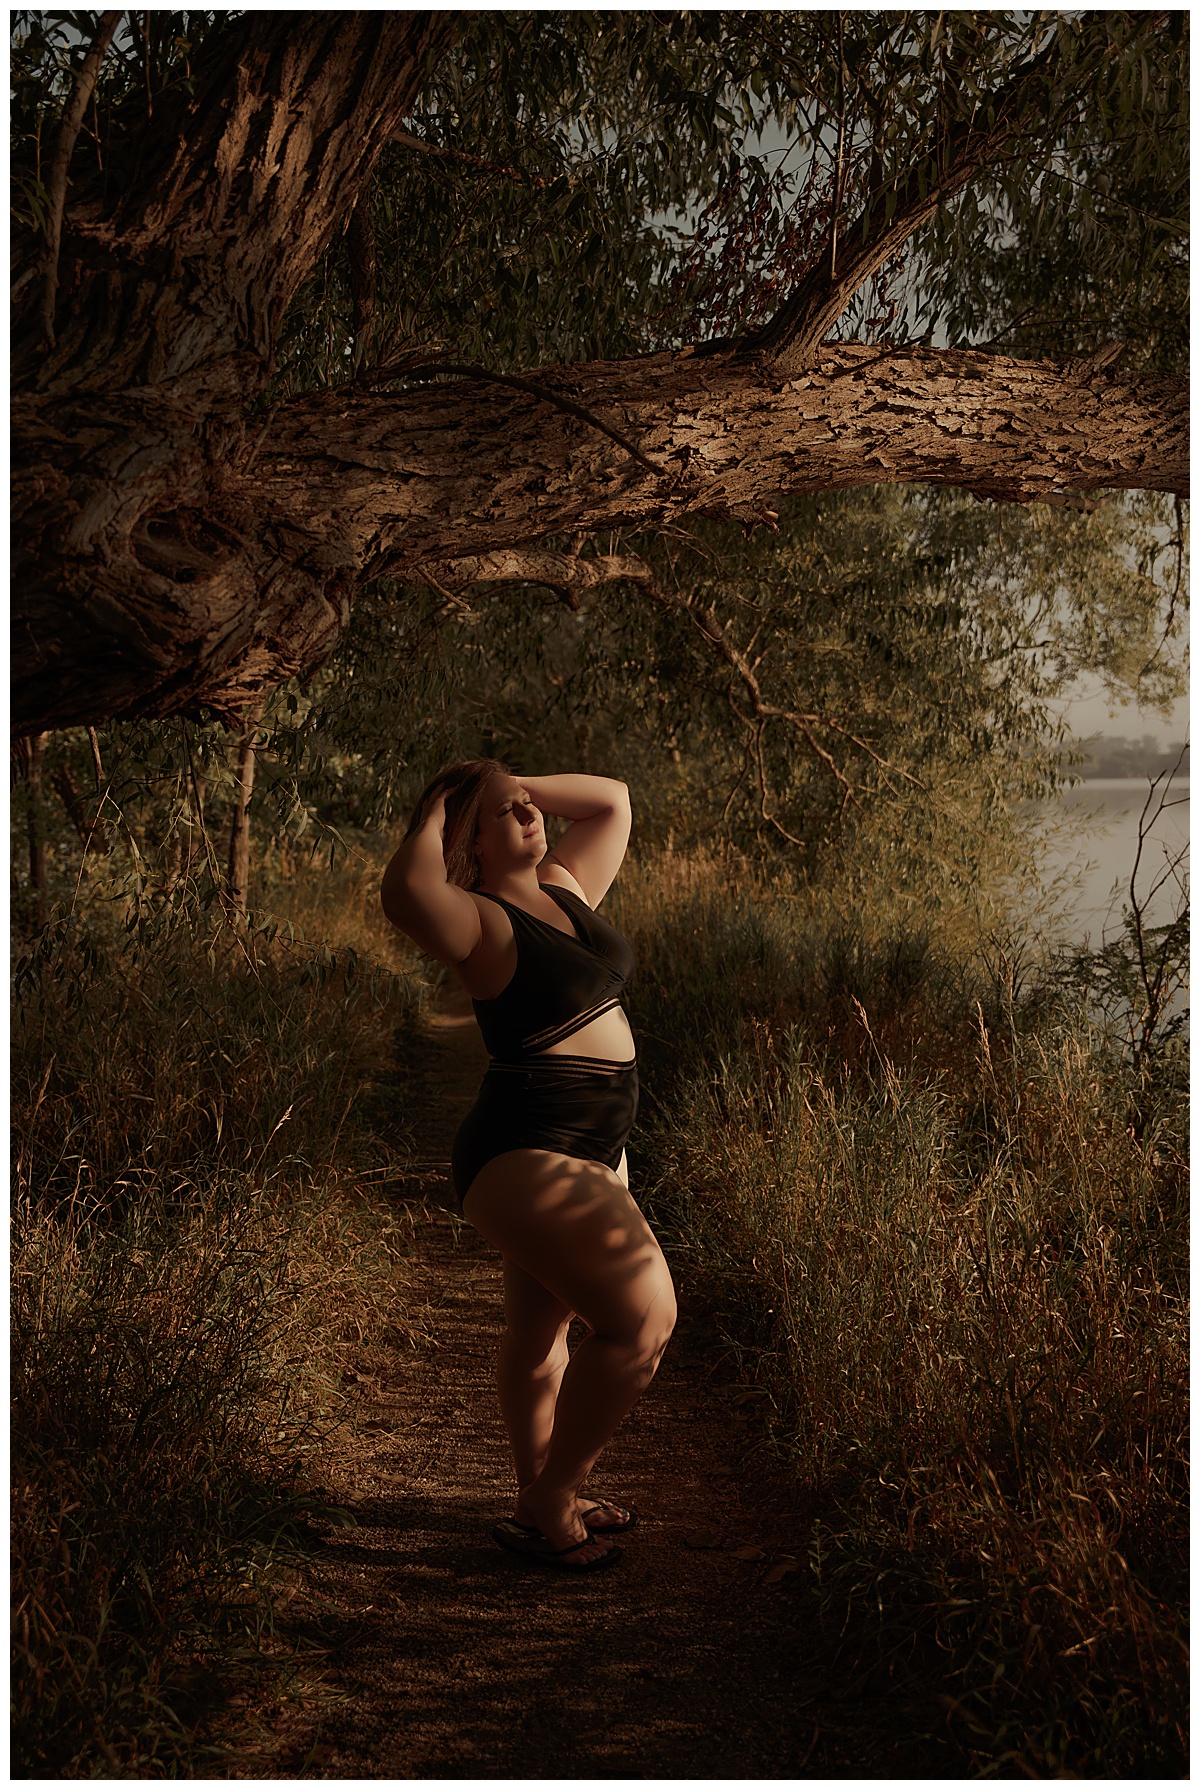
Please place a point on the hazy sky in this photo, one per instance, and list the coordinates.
(1089, 713)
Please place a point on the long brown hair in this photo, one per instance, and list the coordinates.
(464, 785)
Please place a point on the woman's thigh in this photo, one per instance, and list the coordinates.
(575, 1228)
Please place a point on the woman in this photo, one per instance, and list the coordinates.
(539, 1163)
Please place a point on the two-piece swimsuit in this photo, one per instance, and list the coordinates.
(532, 1098)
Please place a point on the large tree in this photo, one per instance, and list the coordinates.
(200, 492)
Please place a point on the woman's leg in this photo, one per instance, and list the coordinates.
(574, 1229)
(533, 1355)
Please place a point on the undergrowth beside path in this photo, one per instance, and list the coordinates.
(943, 1225)
(201, 1246)
(927, 1218)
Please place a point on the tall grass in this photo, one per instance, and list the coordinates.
(202, 1246)
(943, 1225)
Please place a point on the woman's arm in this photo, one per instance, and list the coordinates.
(416, 897)
(594, 844)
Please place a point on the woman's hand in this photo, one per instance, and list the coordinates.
(418, 898)
(591, 849)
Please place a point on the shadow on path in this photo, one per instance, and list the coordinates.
(449, 1658)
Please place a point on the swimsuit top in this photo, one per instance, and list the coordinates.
(562, 980)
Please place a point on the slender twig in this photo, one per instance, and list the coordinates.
(213, 867)
(105, 795)
(462, 370)
(505, 171)
(839, 168)
(95, 745)
(1152, 983)
(1170, 621)
(145, 28)
(772, 820)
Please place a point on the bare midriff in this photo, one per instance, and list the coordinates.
(608, 1038)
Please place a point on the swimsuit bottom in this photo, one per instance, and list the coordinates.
(575, 1106)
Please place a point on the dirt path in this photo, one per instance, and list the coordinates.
(448, 1658)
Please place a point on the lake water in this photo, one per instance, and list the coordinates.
(1101, 845)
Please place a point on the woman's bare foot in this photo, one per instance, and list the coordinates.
(559, 1517)
(601, 1515)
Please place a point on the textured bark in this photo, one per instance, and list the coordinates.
(56, 185)
(169, 304)
(794, 335)
(163, 562)
(168, 555)
(196, 263)
(569, 574)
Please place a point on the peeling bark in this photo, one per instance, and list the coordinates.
(156, 569)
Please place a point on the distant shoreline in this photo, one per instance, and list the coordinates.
(1115, 758)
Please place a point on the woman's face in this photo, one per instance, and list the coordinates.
(510, 834)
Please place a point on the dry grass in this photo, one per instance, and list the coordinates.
(940, 1225)
(203, 1248)
(945, 1233)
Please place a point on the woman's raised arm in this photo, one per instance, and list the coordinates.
(594, 844)
(417, 898)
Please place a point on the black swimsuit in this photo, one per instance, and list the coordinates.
(576, 1106)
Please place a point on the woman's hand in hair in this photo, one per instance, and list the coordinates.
(591, 849)
(418, 898)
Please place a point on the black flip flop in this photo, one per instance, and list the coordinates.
(630, 1522)
(519, 1539)
(630, 1517)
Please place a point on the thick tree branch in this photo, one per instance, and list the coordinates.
(243, 195)
(56, 186)
(897, 212)
(153, 572)
(388, 481)
(567, 574)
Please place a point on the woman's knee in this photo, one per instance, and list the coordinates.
(538, 1347)
(660, 1319)
(643, 1327)
(535, 1321)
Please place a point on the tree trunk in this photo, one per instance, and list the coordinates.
(31, 758)
(239, 831)
(186, 277)
(157, 569)
(168, 554)
(93, 834)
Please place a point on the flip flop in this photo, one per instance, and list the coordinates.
(519, 1539)
(628, 1520)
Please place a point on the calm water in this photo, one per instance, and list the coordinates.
(1102, 845)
